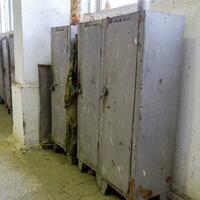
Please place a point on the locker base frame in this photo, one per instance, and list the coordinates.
(2, 101)
(82, 166)
(72, 160)
(55, 147)
(104, 185)
(8, 109)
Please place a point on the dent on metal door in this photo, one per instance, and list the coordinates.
(60, 69)
(118, 81)
(88, 100)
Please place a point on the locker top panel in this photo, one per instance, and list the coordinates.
(59, 28)
(90, 23)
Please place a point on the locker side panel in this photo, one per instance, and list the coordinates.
(7, 73)
(60, 68)
(158, 86)
(118, 86)
(2, 91)
(88, 100)
(12, 59)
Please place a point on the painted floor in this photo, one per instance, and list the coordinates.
(40, 175)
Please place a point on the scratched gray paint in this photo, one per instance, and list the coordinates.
(2, 91)
(156, 108)
(7, 72)
(136, 126)
(88, 101)
(61, 43)
(118, 77)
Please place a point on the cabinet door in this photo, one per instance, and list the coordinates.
(88, 100)
(60, 68)
(117, 100)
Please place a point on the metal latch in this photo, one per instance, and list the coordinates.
(53, 86)
(104, 93)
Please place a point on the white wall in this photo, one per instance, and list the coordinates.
(6, 23)
(38, 17)
(33, 20)
(187, 157)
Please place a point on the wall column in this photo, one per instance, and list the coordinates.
(33, 20)
(75, 11)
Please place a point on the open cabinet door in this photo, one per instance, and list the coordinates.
(60, 68)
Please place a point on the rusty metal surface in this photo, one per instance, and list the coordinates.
(88, 100)
(157, 98)
(7, 72)
(61, 41)
(118, 77)
(45, 80)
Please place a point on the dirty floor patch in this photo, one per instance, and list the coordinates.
(40, 175)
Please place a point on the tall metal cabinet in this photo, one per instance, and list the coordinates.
(135, 74)
(61, 43)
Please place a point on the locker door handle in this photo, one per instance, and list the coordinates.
(53, 86)
(104, 93)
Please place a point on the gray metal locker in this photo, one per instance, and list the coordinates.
(61, 41)
(88, 101)
(140, 63)
(7, 73)
(156, 102)
(2, 90)
(45, 81)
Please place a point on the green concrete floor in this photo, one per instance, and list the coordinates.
(40, 175)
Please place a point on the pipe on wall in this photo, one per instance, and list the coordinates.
(75, 11)
(98, 5)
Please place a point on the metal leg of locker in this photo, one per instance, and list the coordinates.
(1, 101)
(55, 147)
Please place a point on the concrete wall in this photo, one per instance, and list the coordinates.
(33, 20)
(187, 158)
